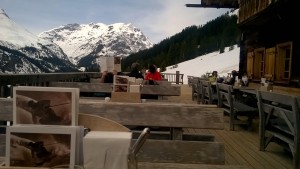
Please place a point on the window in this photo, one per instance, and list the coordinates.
(283, 61)
(259, 65)
(250, 63)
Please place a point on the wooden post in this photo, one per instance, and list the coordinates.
(177, 77)
(2, 91)
(11, 90)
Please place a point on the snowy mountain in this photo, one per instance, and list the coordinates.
(65, 48)
(223, 63)
(85, 43)
(23, 52)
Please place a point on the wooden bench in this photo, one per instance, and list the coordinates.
(174, 116)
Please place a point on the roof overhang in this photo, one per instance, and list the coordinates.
(216, 4)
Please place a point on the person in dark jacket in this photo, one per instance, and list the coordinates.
(234, 74)
(135, 71)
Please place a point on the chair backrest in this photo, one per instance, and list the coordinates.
(140, 141)
(225, 97)
(194, 83)
(280, 115)
(97, 123)
(190, 78)
(199, 92)
(132, 159)
(206, 92)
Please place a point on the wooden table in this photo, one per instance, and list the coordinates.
(249, 91)
(246, 95)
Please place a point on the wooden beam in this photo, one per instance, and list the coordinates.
(176, 151)
(156, 114)
(144, 114)
(209, 6)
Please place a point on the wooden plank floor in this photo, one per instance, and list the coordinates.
(241, 146)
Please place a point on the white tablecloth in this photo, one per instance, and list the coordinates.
(106, 150)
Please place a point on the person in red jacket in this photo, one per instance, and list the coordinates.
(153, 74)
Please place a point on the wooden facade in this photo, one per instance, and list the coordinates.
(269, 45)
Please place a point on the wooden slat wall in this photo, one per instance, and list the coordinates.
(248, 8)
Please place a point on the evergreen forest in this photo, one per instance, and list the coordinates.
(190, 43)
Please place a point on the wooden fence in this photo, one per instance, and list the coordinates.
(7, 81)
(176, 78)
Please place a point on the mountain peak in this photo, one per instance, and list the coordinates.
(97, 39)
(2, 12)
(15, 34)
(23, 52)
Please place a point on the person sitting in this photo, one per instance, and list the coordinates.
(213, 78)
(150, 79)
(107, 77)
(152, 75)
(231, 81)
(135, 71)
(245, 80)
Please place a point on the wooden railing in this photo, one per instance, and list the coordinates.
(176, 78)
(43, 79)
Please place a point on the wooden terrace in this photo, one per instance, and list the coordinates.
(241, 146)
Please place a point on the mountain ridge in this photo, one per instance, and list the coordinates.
(23, 52)
(72, 45)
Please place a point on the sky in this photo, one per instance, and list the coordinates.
(223, 63)
(157, 19)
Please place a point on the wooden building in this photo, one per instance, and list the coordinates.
(269, 42)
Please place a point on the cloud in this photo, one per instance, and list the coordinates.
(175, 16)
(157, 19)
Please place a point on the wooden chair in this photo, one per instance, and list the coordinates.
(194, 84)
(134, 150)
(190, 80)
(208, 96)
(233, 107)
(94, 122)
(199, 92)
(280, 122)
